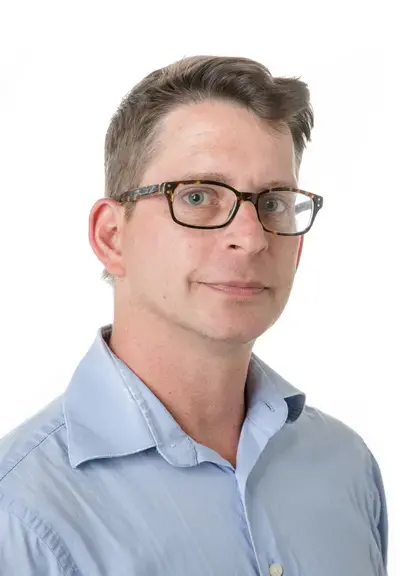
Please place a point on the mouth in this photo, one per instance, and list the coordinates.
(244, 292)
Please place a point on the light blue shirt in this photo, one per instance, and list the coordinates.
(103, 481)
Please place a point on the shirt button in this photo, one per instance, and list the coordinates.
(275, 570)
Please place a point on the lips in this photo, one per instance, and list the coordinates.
(239, 284)
(246, 290)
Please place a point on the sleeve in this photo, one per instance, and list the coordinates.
(380, 508)
(23, 552)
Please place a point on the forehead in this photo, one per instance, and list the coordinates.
(225, 138)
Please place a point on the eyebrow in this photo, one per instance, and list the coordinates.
(224, 179)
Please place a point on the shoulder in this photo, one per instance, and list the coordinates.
(345, 455)
(333, 437)
(347, 458)
(32, 458)
(26, 445)
(28, 545)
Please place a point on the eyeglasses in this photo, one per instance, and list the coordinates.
(205, 204)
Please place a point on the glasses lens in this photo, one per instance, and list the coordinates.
(286, 211)
(203, 205)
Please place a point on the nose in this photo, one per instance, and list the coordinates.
(246, 231)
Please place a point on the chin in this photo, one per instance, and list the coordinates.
(235, 332)
(236, 322)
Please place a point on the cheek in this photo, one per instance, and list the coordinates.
(161, 254)
(299, 251)
(286, 258)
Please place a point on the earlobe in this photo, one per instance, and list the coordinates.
(300, 251)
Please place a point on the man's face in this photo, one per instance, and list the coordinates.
(169, 268)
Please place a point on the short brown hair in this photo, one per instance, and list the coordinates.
(131, 135)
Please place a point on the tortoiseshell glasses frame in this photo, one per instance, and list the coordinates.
(168, 189)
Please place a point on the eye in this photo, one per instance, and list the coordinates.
(203, 205)
(195, 197)
(273, 204)
(198, 195)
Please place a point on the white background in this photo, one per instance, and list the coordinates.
(65, 67)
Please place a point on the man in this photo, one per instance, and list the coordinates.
(175, 450)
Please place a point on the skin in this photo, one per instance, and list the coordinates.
(189, 343)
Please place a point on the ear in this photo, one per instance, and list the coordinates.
(300, 251)
(105, 230)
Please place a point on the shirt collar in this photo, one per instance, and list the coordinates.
(268, 386)
(109, 412)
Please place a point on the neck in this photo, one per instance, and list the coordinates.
(200, 381)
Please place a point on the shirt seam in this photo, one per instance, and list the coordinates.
(30, 529)
(374, 492)
(31, 450)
